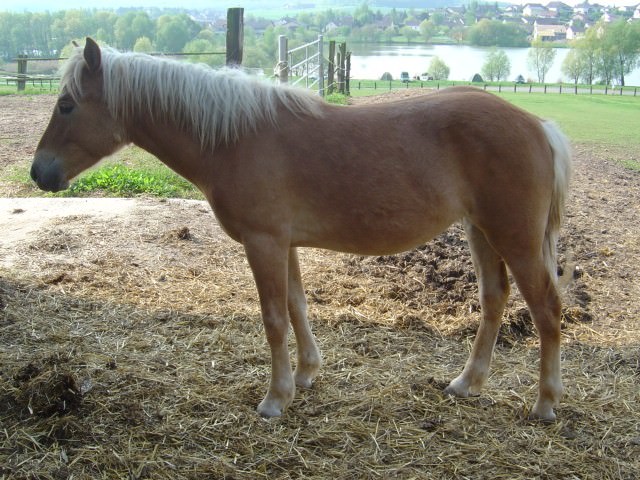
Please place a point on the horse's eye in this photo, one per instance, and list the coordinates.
(65, 108)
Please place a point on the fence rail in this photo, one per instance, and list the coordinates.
(561, 89)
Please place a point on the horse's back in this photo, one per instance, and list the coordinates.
(385, 177)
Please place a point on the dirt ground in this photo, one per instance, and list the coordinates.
(131, 345)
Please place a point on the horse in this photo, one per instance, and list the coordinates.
(283, 169)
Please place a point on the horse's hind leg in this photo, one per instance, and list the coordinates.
(493, 285)
(539, 290)
(309, 359)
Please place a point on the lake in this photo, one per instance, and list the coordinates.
(370, 61)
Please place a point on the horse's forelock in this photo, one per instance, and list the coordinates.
(71, 74)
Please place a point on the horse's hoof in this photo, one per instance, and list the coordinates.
(268, 410)
(456, 389)
(303, 381)
(544, 415)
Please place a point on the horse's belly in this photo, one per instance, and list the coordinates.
(374, 234)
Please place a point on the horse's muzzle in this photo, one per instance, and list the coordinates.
(47, 174)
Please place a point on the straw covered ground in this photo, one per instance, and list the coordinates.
(131, 347)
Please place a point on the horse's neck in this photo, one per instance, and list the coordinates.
(175, 147)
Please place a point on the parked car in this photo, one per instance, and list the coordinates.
(425, 77)
(404, 77)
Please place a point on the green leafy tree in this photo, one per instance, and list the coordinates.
(438, 69)
(622, 40)
(587, 49)
(104, 22)
(496, 66)
(174, 31)
(574, 65)
(428, 29)
(203, 46)
(494, 33)
(363, 15)
(409, 33)
(540, 59)
(143, 45)
(131, 26)
(389, 33)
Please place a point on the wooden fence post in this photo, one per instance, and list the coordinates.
(235, 36)
(22, 72)
(331, 68)
(348, 73)
(342, 58)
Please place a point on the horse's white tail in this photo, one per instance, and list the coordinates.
(562, 174)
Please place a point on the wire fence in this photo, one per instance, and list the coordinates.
(384, 85)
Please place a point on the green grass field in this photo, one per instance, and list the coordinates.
(605, 120)
(611, 123)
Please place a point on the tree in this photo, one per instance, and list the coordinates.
(457, 33)
(389, 33)
(409, 33)
(438, 69)
(428, 29)
(622, 41)
(363, 15)
(540, 58)
(587, 49)
(203, 46)
(131, 26)
(494, 33)
(174, 31)
(496, 66)
(574, 65)
(143, 44)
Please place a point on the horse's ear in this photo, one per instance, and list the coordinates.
(92, 55)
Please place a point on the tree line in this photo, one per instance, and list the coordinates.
(607, 53)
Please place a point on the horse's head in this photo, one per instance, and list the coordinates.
(81, 130)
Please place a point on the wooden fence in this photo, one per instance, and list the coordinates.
(233, 53)
(305, 66)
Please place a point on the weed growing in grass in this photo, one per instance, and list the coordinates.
(337, 99)
(632, 165)
(121, 180)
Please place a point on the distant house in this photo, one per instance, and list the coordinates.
(559, 7)
(512, 11)
(259, 25)
(608, 17)
(534, 10)
(330, 27)
(583, 8)
(574, 33)
(413, 24)
(549, 33)
(636, 12)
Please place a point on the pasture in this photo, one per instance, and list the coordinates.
(131, 344)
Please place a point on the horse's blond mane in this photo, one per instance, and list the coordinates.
(218, 106)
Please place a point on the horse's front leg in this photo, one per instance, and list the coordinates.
(308, 359)
(268, 258)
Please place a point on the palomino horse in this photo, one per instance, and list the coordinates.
(282, 169)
